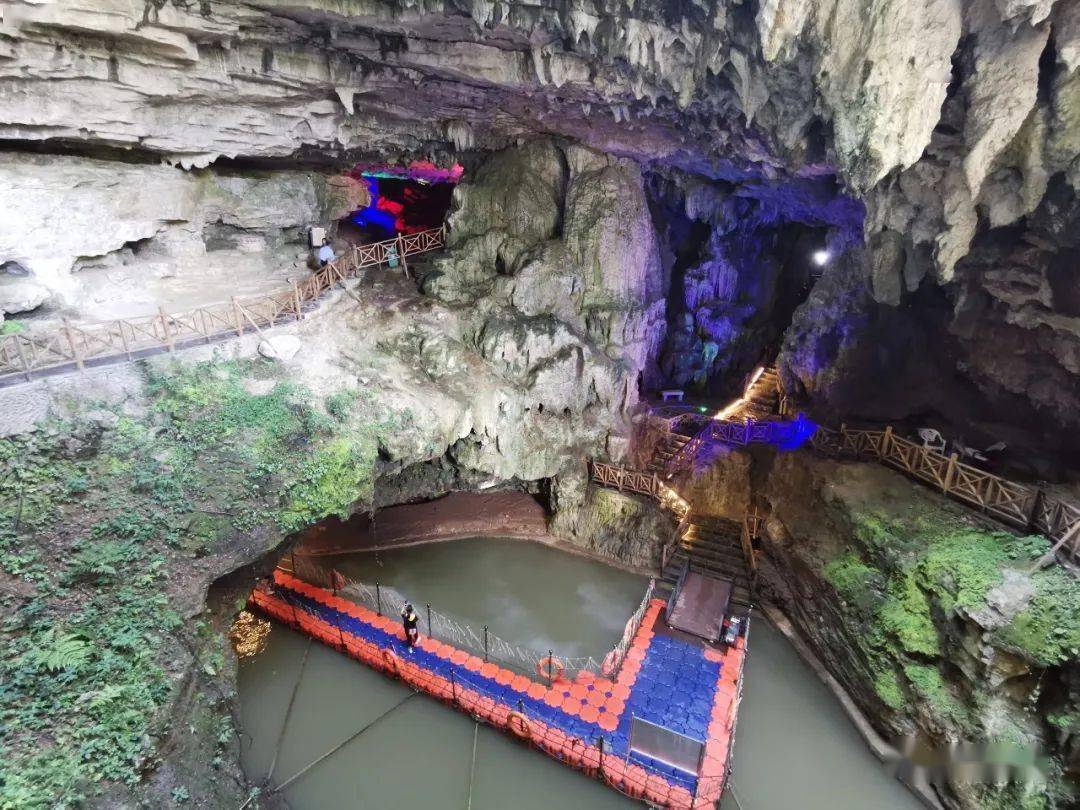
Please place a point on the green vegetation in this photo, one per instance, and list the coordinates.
(855, 582)
(1048, 630)
(911, 572)
(12, 328)
(905, 616)
(96, 522)
(887, 686)
(928, 683)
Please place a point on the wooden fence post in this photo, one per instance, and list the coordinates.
(123, 338)
(22, 356)
(401, 255)
(296, 300)
(1033, 513)
(239, 317)
(71, 342)
(886, 442)
(165, 329)
(950, 472)
(749, 432)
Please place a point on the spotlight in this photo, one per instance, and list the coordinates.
(821, 257)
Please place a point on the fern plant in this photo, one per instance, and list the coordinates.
(57, 653)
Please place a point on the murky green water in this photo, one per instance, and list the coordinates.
(795, 747)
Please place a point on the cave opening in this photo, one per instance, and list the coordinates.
(402, 200)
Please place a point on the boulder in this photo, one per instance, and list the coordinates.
(19, 294)
(280, 347)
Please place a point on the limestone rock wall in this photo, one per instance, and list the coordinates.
(954, 120)
(554, 253)
(627, 528)
(95, 234)
(930, 617)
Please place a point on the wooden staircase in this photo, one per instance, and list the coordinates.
(762, 399)
(713, 547)
(668, 446)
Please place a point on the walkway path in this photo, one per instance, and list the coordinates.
(77, 346)
(1021, 506)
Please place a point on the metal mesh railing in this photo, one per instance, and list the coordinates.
(479, 640)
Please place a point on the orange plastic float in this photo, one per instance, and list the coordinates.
(488, 670)
(571, 705)
(519, 683)
(536, 690)
(554, 698)
(459, 657)
(681, 798)
(579, 691)
(608, 721)
(504, 677)
(596, 698)
(499, 715)
(614, 772)
(572, 752)
(590, 759)
(589, 713)
(614, 707)
(635, 780)
(473, 664)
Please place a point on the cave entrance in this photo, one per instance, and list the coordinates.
(403, 200)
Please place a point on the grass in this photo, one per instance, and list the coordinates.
(98, 524)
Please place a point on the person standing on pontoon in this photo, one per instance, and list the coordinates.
(409, 619)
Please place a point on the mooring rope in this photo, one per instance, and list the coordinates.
(735, 796)
(288, 712)
(340, 745)
(472, 765)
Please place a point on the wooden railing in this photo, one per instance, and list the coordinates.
(77, 345)
(627, 479)
(741, 433)
(1020, 505)
(752, 526)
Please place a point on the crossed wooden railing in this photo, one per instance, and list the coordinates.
(747, 431)
(627, 479)
(77, 345)
(1020, 505)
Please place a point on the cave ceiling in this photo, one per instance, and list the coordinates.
(943, 121)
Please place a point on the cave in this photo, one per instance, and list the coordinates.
(402, 200)
(691, 396)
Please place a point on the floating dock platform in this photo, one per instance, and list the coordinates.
(665, 680)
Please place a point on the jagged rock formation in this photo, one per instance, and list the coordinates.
(645, 179)
(555, 254)
(934, 620)
(955, 122)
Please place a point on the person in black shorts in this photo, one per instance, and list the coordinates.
(409, 619)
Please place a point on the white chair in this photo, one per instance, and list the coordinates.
(932, 440)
